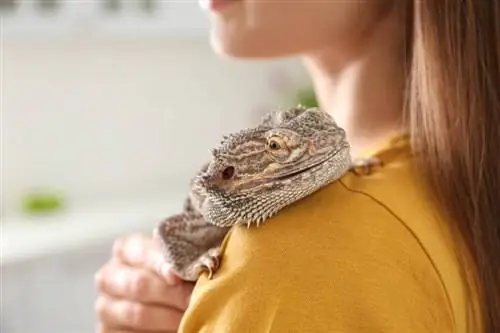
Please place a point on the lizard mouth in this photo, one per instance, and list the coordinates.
(304, 169)
(289, 175)
(308, 167)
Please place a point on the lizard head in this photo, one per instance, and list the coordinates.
(253, 170)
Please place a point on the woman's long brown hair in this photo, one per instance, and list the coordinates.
(454, 118)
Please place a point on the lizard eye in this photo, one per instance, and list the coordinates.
(228, 173)
(277, 148)
(274, 145)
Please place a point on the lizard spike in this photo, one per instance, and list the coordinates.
(255, 205)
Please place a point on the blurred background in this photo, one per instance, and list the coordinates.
(108, 109)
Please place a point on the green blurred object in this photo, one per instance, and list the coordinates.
(42, 202)
(307, 98)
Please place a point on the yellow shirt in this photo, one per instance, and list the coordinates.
(368, 253)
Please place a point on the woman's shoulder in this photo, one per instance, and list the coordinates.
(390, 203)
(372, 215)
(345, 253)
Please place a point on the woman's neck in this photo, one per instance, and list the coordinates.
(364, 94)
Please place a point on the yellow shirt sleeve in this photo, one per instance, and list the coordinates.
(337, 261)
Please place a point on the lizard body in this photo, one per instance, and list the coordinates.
(253, 175)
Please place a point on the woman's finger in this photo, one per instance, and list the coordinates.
(126, 315)
(134, 249)
(141, 285)
(141, 251)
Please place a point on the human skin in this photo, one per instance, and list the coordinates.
(136, 292)
(353, 50)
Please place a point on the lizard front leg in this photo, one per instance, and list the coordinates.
(190, 245)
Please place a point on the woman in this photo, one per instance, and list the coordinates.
(412, 247)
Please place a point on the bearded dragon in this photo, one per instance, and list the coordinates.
(253, 175)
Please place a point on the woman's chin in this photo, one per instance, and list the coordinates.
(245, 48)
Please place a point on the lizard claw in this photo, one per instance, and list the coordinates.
(209, 262)
(210, 273)
(366, 165)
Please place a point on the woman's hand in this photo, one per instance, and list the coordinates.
(137, 292)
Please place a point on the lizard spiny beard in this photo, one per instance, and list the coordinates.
(255, 206)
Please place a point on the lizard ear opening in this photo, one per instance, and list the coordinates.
(228, 173)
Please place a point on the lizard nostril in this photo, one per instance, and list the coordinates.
(228, 173)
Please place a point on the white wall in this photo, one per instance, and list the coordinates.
(101, 118)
